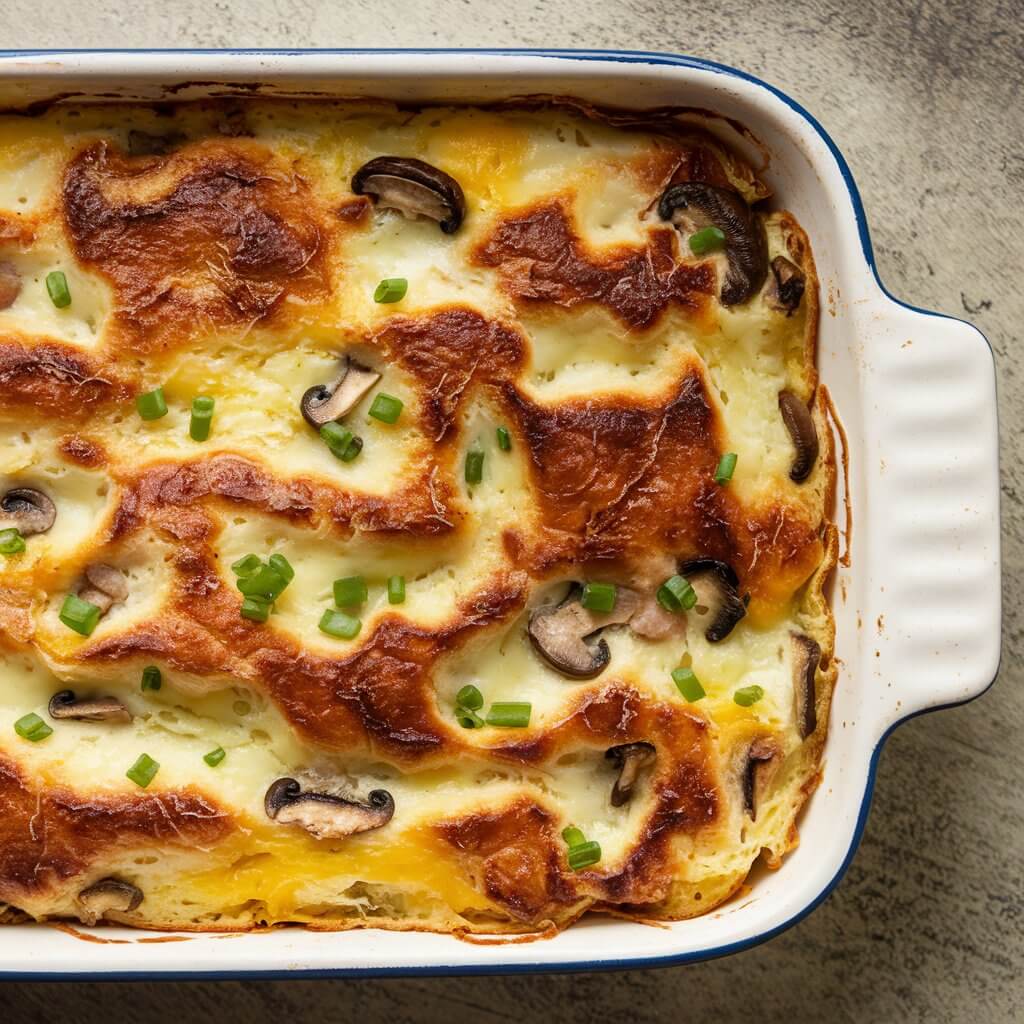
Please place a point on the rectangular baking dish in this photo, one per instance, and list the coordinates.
(915, 392)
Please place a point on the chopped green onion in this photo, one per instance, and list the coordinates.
(31, 727)
(391, 289)
(57, 286)
(81, 616)
(396, 590)
(688, 684)
(256, 609)
(474, 466)
(504, 439)
(470, 697)
(152, 679)
(339, 624)
(11, 542)
(599, 597)
(726, 464)
(510, 715)
(143, 771)
(468, 719)
(349, 591)
(355, 446)
(151, 405)
(707, 240)
(386, 408)
(676, 594)
(283, 567)
(573, 836)
(202, 416)
(266, 583)
(584, 855)
(214, 757)
(246, 565)
(337, 438)
(747, 695)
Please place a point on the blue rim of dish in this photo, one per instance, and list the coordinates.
(562, 966)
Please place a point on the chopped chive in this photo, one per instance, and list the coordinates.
(726, 465)
(202, 416)
(396, 590)
(81, 616)
(151, 405)
(676, 594)
(707, 240)
(470, 697)
(11, 542)
(152, 679)
(246, 565)
(256, 609)
(386, 408)
(391, 289)
(474, 466)
(339, 624)
(337, 438)
(350, 591)
(599, 597)
(510, 715)
(214, 757)
(31, 727)
(143, 771)
(747, 695)
(283, 567)
(355, 446)
(504, 439)
(57, 286)
(584, 855)
(688, 684)
(573, 836)
(266, 583)
(468, 719)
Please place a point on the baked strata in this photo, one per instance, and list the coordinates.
(410, 518)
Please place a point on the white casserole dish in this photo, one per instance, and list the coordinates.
(917, 609)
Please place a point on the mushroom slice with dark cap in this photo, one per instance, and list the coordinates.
(694, 205)
(716, 587)
(630, 759)
(800, 424)
(787, 288)
(27, 510)
(323, 403)
(64, 704)
(806, 656)
(324, 815)
(10, 284)
(565, 635)
(106, 895)
(414, 187)
(762, 761)
(106, 586)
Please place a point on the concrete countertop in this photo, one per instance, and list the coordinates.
(925, 99)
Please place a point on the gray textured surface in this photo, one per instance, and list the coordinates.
(925, 100)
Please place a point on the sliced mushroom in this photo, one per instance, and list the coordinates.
(717, 597)
(323, 403)
(106, 895)
(762, 762)
(10, 284)
(324, 815)
(800, 424)
(694, 205)
(27, 510)
(787, 286)
(806, 656)
(630, 759)
(64, 704)
(414, 187)
(107, 586)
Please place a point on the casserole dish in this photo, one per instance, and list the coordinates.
(916, 397)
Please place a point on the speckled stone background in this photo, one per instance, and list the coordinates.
(925, 99)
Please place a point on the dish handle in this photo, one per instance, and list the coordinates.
(930, 481)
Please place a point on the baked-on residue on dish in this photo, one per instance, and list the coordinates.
(410, 518)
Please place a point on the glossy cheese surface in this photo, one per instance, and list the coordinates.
(220, 251)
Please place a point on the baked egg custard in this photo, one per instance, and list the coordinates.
(409, 518)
